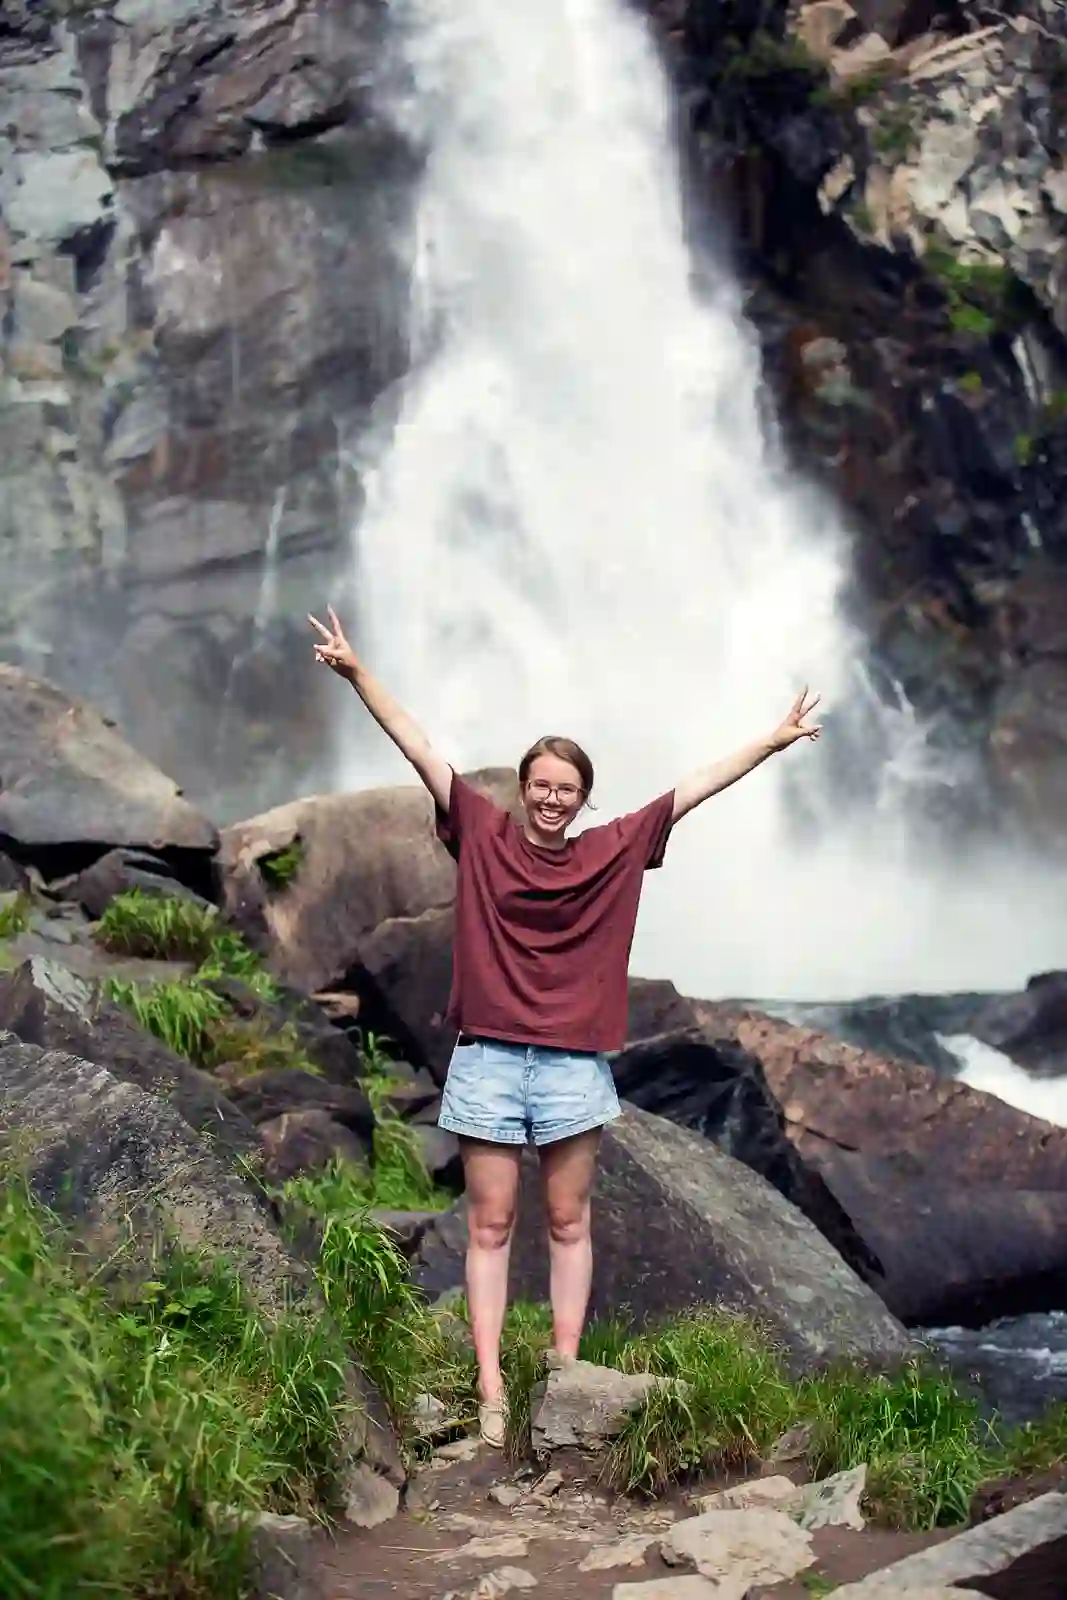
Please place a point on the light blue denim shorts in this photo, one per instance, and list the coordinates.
(513, 1093)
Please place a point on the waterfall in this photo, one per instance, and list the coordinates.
(578, 520)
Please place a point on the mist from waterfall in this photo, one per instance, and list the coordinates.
(578, 520)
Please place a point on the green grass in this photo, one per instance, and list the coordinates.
(401, 1345)
(923, 1441)
(400, 1179)
(158, 927)
(252, 1045)
(15, 914)
(182, 1013)
(122, 1424)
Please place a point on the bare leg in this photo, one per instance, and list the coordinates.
(491, 1173)
(567, 1171)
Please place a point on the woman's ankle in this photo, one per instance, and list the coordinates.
(490, 1387)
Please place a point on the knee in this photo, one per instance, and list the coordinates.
(569, 1224)
(489, 1228)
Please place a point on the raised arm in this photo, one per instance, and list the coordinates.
(334, 650)
(701, 785)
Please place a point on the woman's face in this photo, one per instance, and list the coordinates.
(552, 797)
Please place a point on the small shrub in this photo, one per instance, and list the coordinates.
(982, 296)
(766, 56)
(256, 1045)
(970, 383)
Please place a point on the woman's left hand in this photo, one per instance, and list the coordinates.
(793, 727)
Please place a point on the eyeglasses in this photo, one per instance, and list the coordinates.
(565, 793)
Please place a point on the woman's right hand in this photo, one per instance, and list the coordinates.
(332, 648)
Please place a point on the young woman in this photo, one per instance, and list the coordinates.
(544, 925)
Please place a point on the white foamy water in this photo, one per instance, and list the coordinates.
(579, 522)
(982, 1067)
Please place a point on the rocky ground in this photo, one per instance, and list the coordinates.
(574, 1541)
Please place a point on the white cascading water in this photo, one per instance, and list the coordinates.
(578, 521)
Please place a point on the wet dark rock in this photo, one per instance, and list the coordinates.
(963, 1198)
(440, 1152)
(122, 872)
(12, 875)
(1030, 1027)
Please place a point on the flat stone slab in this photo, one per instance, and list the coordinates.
(982, 1552)
(584, 1405)
(738, 1549)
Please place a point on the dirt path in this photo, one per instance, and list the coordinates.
(427, 1551)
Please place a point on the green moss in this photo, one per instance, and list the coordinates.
(281, 866)
(983, 297)
(766, 56)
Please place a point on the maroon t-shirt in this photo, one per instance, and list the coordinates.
(543, 936)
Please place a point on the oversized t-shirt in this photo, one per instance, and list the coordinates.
(543, 936)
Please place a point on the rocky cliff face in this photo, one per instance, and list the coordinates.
(203, 299)
(896, 172)
(199, 304)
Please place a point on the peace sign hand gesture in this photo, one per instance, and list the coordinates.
(332, 648)
(792, 728)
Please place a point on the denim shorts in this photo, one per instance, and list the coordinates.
(512, 1093)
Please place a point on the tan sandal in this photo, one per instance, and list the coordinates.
(491, 1423)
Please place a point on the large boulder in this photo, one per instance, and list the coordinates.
(71, 788)
(129, 1176)
(43, 1003)
(959, 1195)
(124, 1167)
(717, 1088)
(678, 1223)
(353, 863)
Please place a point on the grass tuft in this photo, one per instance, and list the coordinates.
(15, 914)
(182, 1013)
(730, 1398)
(364, 1279)
(246, 1046)
(158, 927)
